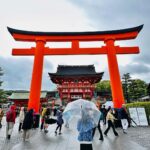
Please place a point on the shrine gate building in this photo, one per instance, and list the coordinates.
(74, 82)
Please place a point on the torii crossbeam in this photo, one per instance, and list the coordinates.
(109, 38)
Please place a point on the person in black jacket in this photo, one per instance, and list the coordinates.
(123, 116)
(27, 124)
(104, 113)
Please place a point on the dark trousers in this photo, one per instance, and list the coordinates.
(110, 124)
(20, 126)
(0, 124)
(42, 125)
(104, 119)
(59, 127)
(86, 147)
(100, 132)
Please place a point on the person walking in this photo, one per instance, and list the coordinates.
(1, 117)
(27, 124)
(59, 121)
(21, 118)
(110, 120)
(43, 118)
(124, 117)
(10, 121)
(104, 113)
(100, 131)
(46, 118)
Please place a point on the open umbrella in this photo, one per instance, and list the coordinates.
(109, 104)
(86, 110)
(50, 121)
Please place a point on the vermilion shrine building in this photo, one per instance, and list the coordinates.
(74, 82)
(21, 98)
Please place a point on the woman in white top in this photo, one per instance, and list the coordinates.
(21, 118)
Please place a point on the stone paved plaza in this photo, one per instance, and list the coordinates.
(136, 139)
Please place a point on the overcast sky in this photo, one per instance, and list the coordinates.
(72, 15)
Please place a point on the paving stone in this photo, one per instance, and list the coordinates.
(136, 139)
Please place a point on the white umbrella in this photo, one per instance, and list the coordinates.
(109, 104)
(82, 108)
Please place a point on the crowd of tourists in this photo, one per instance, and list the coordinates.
(28, 120)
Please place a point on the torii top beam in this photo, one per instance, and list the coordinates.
(122, 34)
(75, 38)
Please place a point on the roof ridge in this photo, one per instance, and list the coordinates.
(75, 65)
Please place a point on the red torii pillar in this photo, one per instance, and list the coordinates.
(109, 37)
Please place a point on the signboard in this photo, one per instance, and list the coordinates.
(134, 116)
(142, 117)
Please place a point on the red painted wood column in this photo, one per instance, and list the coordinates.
(116, 85)
(35, 89)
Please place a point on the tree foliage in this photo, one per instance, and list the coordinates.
(137, 89)
(103, 86)
(133, 89)
(126, 80)
(148, 89)
(2, 93)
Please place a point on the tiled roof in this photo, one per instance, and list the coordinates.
(64, 70)
(24, 95)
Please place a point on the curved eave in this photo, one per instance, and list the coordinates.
(55, 77)
(79, 75)
(60, 36)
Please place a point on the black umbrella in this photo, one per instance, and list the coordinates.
(50, 121)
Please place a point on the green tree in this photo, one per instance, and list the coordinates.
(148, 89)
(2, 94)
(126, 80)
(137, 89)
(103, 86)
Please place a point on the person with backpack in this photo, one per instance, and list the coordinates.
(124, 117)
(27, 124)
(60, 121)
(10, 121)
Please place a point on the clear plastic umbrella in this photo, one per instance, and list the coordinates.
(86, 110)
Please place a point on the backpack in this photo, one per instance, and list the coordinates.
(9, 116)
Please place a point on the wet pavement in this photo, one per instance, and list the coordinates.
(136, 139)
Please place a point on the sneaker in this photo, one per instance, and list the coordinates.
(116, 134)
(45, 131)
(8, 137)
(101, 139)
(105, 134)
(55, 132)
(60, 133)
(124, 132)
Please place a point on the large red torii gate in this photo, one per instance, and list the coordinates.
(109, 37)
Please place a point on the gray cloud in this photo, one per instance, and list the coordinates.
(17, 73)
(135, 69)
(117, 14)
(102, 15)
